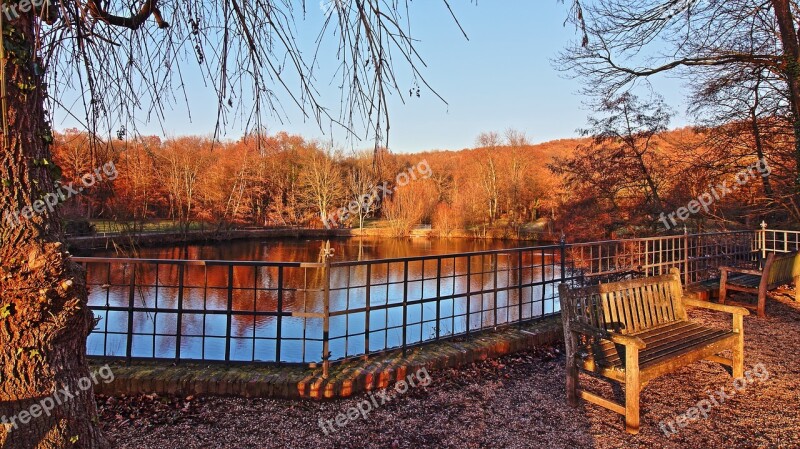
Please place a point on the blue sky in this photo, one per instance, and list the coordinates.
(502, 77)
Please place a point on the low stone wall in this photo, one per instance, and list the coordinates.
(345, 379)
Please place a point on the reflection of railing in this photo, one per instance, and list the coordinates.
(292, 312)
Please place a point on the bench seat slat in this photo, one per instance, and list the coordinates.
(745, 280)
(660, 342)
(665, 330)
(653, 300)
(672, 351)
(633, 307)
(643, 322)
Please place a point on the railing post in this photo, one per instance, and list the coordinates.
(439, 297)
(405, 305)
(785, 242)
(368, 307)
(763, 235)
(563, 258)
(229, 318)
(131, 298)
(469, 291)
(520, 273)
(544, 285)
(326, 310)
(686, 276)
(494, 302)
(179, 324)
(279, 327)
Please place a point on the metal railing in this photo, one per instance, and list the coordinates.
(293, 312)
(779, 241)
(696, 255)
(206, 310)
(385, 304)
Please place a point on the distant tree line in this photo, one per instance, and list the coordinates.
(286, 180)
(619, 179)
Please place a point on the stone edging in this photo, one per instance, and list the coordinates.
(346, 379)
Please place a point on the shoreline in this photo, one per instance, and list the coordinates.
(155, 239)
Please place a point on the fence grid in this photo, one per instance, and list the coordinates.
(293, 312)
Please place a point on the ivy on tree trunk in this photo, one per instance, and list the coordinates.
(44, 317)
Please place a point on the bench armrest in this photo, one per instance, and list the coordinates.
(626, 340)
(714, 306)
(741, 270)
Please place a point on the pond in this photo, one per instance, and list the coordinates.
(383, 293)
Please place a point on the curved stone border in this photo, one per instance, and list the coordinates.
(345, 379)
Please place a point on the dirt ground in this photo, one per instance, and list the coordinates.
(516, 402)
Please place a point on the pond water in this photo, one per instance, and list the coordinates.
(270, 313)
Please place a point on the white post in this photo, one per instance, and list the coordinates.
(763, 240)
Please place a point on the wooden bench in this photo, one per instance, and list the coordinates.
(779, 269)
(633, 331)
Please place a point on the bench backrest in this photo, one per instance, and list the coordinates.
(782, 268)
(627, 306)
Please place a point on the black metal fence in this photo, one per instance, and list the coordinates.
(384, 304)
(292, 312)
(287, 312)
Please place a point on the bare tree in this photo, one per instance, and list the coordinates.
(745, 117)
(181, 166)
(362, 188)
(515, 138)
(408, 206)
(693, 36)
(620, 168)
(488, 143)
(321, 180)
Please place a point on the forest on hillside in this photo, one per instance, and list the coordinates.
(601, 185)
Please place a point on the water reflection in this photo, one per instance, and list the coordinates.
(263, 302)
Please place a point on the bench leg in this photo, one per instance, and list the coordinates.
(797, 289)
(723, 289)
(738, 351)
(762, 302)
(632, 390)
(572, 382)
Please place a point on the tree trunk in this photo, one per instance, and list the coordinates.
(791, 54)
(44, 318)
(756, 130)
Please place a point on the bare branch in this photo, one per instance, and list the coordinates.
(133, 22)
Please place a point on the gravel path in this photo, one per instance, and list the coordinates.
(516, 402)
